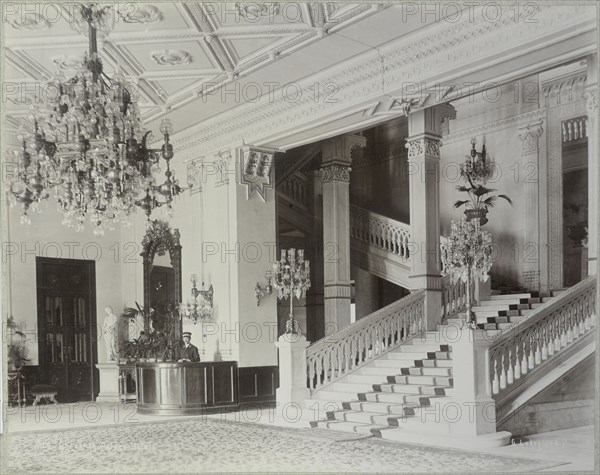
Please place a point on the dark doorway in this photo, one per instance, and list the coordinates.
(67, 338)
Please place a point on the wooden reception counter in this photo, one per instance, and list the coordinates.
(187, 388)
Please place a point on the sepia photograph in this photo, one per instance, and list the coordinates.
(311, 237)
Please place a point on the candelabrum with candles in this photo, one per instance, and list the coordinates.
(198, 308)
(291, 278)
(466, 255)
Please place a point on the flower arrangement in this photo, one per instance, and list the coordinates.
(476, 172)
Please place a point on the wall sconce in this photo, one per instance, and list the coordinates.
(198, 308)
(268, 290)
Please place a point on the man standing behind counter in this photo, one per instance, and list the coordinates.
(188, 352)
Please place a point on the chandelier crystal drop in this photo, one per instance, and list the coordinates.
(87, 146)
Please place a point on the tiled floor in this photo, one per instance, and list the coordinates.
(114, 438)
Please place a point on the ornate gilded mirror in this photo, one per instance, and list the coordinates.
(162, 275)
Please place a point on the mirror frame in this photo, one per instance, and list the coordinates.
(158, 234)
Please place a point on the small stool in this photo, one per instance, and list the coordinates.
(44, 391)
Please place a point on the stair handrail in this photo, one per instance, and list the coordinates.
(546, 331)
(336, 354)
(380, 231)
(454, 297)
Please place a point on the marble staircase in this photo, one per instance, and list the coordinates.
(405, 393)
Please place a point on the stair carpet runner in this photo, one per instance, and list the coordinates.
(393, 393)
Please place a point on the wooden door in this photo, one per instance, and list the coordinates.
(66, 294)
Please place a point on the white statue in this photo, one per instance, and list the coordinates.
(110, 329)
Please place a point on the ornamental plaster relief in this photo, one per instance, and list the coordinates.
(529, 136)
(335, 173)
(408, 59)
(423, 146)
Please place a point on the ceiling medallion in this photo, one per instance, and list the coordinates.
(171, 57)
(141, 14)
(85, 143)
(254, 11)
(30, 21)
(67, 62)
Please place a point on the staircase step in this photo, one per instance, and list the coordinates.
(380, 371)
(424, 371)
(362, 417)
(420, 348)
(439, 355)
(396, 398)
(508, 297)
(416, 380)
(434, 363)
(331, 395)
(382, 407)
(366, 378)
(351, 387)
(392, 363)
(403, 388)
(407, 357)
(353, 427)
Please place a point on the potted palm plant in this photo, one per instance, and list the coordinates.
(476, 172)
(17, 351)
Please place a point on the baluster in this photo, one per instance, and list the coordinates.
(495, 372)
(518, 356)
(538, 349)
(544, 346)
(564, 132)
(510, 376)
(532, 346)
(503, 369)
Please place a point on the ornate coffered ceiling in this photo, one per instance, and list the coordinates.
(172, 51)
(279, 75)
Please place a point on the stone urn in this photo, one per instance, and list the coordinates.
(480, 213)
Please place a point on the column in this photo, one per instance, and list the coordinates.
(423, 144)
(591, 97)
(336, 161)
(530, 249)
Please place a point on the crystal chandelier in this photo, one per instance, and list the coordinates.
(198, 309)
(86, 145)
(466, 256)
(291, 278)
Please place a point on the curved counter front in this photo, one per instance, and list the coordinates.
(186, 388)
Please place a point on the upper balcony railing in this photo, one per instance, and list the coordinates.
(296, 189)
(380, 231)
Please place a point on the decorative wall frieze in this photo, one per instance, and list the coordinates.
(564, 90)
(526, 117)
(254, 170)
(335, 173)
(171, 57)
(423, 146)
(414, 59)
(529, 135)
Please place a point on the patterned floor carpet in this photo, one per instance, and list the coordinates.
(217, 446)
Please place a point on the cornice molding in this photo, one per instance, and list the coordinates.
(414, 58)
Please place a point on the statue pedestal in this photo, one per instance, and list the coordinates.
(109, 382)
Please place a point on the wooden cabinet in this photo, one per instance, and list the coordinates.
(187, 388)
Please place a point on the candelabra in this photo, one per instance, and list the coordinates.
(196, 309)
(268, 290)
(291, 278)
(467, 255)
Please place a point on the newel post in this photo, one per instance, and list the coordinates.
(476, 409)
(483, 290)
(292, 370)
